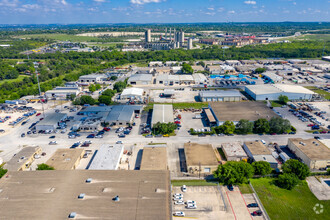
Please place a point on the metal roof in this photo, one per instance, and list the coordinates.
(162, 114)
(219, 93)
(52, 119)
(132, 91)
(107, 157)
(122, 112)
(140, 77)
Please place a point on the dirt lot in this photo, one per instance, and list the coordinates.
(208, 201)
(186, 95)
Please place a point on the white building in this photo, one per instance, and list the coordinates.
(92, 78)
(132, 93)
(199, 78)
(272, 92)
(272, 76)
(107, 157)
(140, 79)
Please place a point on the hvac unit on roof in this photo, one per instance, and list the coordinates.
(89, 180)
(81, 196)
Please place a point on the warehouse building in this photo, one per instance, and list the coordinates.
(234, 151)
(252, 111)
(107, 157)
(122, 114)
(51, 121)
(66, 159)
(23, 159)
(257, 151)
(271, 76)
(200, 158)
(62, 92)
(220, 96)
(140, 79)
(315, 154)
(199, 78)
(132, 94)
(272, 92)
(162, 114)
(93, 78)
(86, 194)
(154, 157)
(167, 79)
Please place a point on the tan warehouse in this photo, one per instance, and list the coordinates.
(154, 157)
(66, 159)
(23, 159)
(312, 152)
(200, 158)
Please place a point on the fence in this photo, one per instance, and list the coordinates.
(259, 202)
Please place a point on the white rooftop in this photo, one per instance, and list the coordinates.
(107, 157)
(233, 149)
(278, 88)
(132, 91)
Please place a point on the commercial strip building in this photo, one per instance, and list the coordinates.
(235, 111)
(200, 158)
(132, 94)
(122, 114)
(23, 159)
(140, 79)
(62, 92)
(220, 96)
(314, 153)
(257, 151)
(66, 159)
(93, 78)
(50, 122)
(154, 157)
(271, 76)
(272, 92)
(107, 157)
(234, 151)
(162, 114)
(55, 194)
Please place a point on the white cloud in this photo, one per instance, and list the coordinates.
(141, 2)
(210, 13)
(250, 2)
(7, 3)
(231, 12)
(211, 9)
(31, 6)
(99, 0)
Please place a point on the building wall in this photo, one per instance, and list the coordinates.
(29, 161)
(274, 96)
(138, 82)
(221, 99)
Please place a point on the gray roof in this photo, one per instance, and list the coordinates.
(140, 77)
(122, 112)
(96, 109)
(52, 119)
(162, 113)
(219, 93)
(107, 157)
(93, 76)
(266, 158)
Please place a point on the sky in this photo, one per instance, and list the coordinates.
(160, 11)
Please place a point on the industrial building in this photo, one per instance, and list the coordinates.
(271, 76)
(147, 35)
(315, 154)
(200, 158)
(234, 151)
(107, 157)
(132, 94)
(62, 92)
(154, 157)
(58, 194)
(168, 80)
(272, 92)
(92, 78)
(23, 159)
(66, 159)
(257, 151)
(162, 114)
(252, 111)
(140, 79)
(122, 114)
(51, 121)
(199, 78)
(220, 96)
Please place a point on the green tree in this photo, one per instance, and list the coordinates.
(260, 70)
(119, 86)
(164, 128)
(109, 92)
(105, 99)
(283, 99)
(85, 99)
(44, 166)
(2, 172)
(113, 78)
(297, 168)
(234, 172)
(244, 127)
(98, 86)
(201, 63)
(92, 88)
(287, 181)
(228, 127)
(279, 125)
(261, 126)
(328, 171)
(186, 68)
(261, 168)
(71, 97)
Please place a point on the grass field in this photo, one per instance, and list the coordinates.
(245, 189)
(276, 104)
(284, 204)
(316, 37)
(20, 77)
(59, 37)
(193, 183)
(325, 94)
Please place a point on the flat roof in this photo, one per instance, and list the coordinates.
(293, 89)
(65, 159)
(107, 157)
(209, 115)
(233, 149)
(53, 194)
(312, 148)
(52, 119)
(266, 158)
(92, 76)
(132, 91)
(220, 93)
(200, 154)
(162, 113)
(122, 112)
(235, 111)
(277, 88)
(17, 161)
(257, 148)
(154, 157)
(140, 77)
(167, 77)
(63, 91)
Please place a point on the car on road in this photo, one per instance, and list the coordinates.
(52, 137)
(180, 214)
(38, 114)
(257, 213)
(41, 119)
(180, 202)
(184, 188)
(23, 135)
(252, 205)
(52, 143)
(91, 136)
(121, 135)
(119, 142)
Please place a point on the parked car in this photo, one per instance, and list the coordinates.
(177, 195)
(23, 135)
(184, 188)
(2, 131)
(121, 135)
(180, 202)
(52, 137)
(38, 114)
(91, 136)
(106, 129)
(52, 143)
(230, 187)
(252, 205)
(180, 214)
(149, 136)
(119, 142)
(257, 213)
(191, 206)
(177, 198)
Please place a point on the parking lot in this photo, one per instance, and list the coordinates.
(250, 198)
(208, 202)
(180, 95)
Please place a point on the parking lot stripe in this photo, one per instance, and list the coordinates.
(231, 205)
(245, 204)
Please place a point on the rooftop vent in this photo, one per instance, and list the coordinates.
(89, 180)
(81, 196)
(116, 199)
(72, 215)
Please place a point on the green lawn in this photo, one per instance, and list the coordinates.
(245, 189)
(193, 183)
(20, 77)
(325, 94)
(276, 104)
(284, 204)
